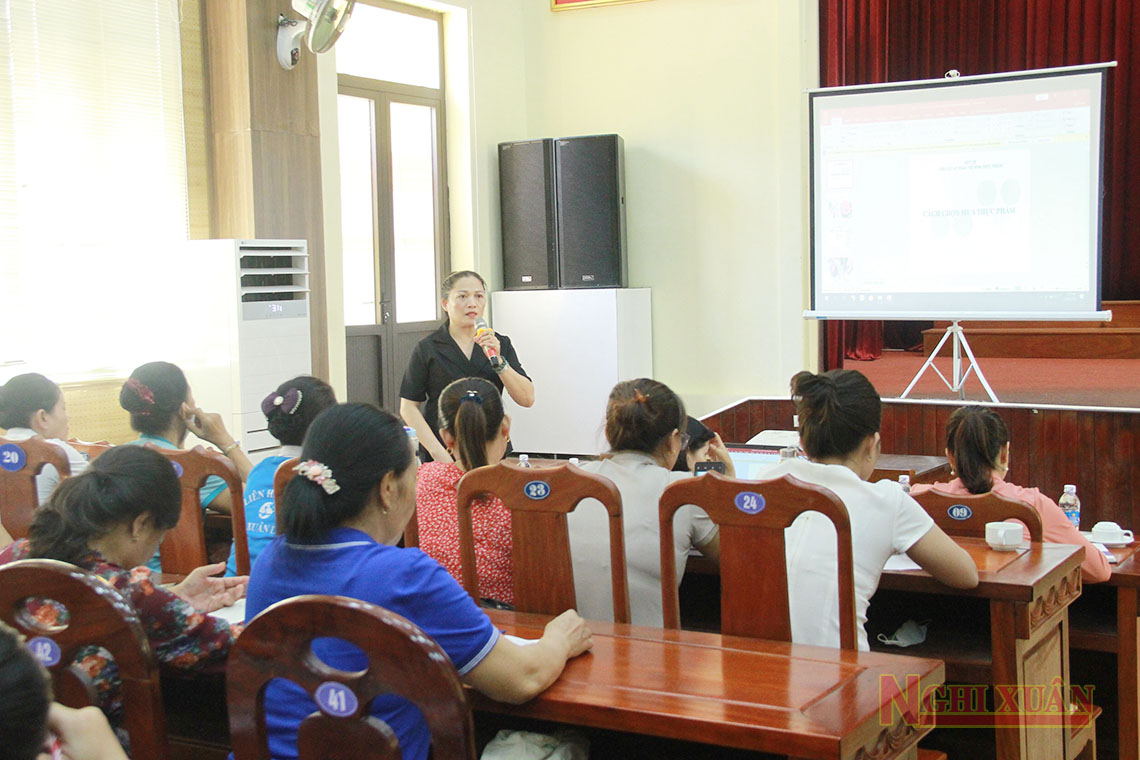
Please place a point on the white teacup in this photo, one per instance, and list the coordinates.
(1110, 532)
(1003, 536)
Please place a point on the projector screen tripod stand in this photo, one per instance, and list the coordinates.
(958, 384)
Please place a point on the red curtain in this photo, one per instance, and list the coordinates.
(865, 41)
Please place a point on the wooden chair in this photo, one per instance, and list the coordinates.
(402, 660)
(281, 478)
(948, 513)
(18, 497)
(99, 616)
(753, 565)
(184, 547)
(539, 500)
(91, 450)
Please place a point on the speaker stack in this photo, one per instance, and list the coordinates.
(562, 202)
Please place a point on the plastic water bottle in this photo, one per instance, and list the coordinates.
(788, 452)
(524, 461)
(1071, 505)
(573, 460)
(415, 439)
(904, 482)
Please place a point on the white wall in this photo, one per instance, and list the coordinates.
(709, 98)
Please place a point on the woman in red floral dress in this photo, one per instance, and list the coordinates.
(474, 428)
(109, 521)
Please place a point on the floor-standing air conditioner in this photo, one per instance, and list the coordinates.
(249, 329)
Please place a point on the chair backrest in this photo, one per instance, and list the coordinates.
(281, 478)
(402, 660)
(752, 516)
(184, 547)
(91, 450)
(968, 515)
(97, 616)
(20, 463)
(539, 499)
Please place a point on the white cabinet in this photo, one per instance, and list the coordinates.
(575, 345)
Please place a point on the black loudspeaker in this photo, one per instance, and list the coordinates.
(526, 198)
(563, 213)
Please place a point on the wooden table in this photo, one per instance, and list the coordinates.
(747, 693)
(921, 469)
(1098, 630)
(1028, 593)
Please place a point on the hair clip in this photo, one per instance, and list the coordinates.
(139, 387)
(319, 474)
(472, 396)
(640, 397)
(288, 402)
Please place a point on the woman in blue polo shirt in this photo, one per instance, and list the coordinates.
(342, 514)
(288, 411)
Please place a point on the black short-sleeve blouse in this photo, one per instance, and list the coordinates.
(437, 362)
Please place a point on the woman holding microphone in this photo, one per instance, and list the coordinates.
(459, 348)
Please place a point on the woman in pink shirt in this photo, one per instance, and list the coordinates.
(977, 445)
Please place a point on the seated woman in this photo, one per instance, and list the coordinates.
(839, 414)
(475, 430)
(32, 405)
(289, 411)
(701, 440)
(111, 519)
(30, 724)
(977, 445)
(644, 420)
(342, 515)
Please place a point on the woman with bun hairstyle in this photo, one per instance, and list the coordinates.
(343, 513)
(289, 411)
(475, 430)
(109, 521)
(455, 351)
(977, 445)
(32, 405)
(163, 411)
(644, 424)
(839, 414)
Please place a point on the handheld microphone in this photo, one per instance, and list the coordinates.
(481, 326)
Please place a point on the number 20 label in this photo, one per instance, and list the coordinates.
(12, 457)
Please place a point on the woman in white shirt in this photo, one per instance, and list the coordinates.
(32, 405)
(839, 416)
(644, 420)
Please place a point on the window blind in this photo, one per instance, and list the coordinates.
(93, 206)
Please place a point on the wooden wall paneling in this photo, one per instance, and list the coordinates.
(196, 119)
(757, 417)
(1017, 420)
(1065, 450)
(266, 135)
(741, 418)
(1037, 465)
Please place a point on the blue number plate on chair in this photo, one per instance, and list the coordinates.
(536, 489)
(336, 699)
(12, 457)
(960, 512)
(749, 502)
(45, 650)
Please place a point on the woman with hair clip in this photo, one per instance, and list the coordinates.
(701, 443)
(32, 405)
(977, 445)
(458, 349)
(644, 424)
(109, 521)
(351, 500)
(840, 413)
(475, 430)
(288, 411)
(31, 724)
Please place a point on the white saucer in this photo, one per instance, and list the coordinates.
(1110, 544)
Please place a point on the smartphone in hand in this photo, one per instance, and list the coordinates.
(703, 467)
